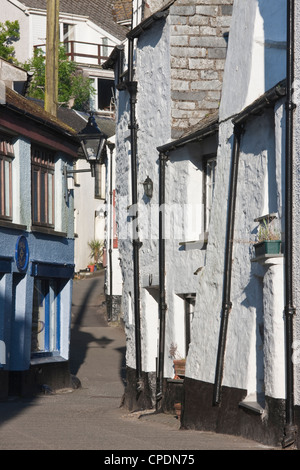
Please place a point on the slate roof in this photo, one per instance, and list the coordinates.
(122, 10)
(99, 12)
(77, 120)
(30, 109)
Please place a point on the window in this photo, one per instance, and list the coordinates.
(104, 47)
(45, 338)
(105, 93)
(209, 178)
(190, 300)
(68, 36)
(42, 187)
(98, 181)
(6, 156)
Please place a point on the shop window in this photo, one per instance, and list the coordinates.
(42, 161)
(6, 157)
(45, 338)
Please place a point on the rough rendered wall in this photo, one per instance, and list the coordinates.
(260, 191)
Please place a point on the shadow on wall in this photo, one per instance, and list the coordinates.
(274, 23)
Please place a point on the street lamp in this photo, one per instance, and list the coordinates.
(92, 141)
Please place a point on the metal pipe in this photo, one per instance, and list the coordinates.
(226, 302)
(290, 311)
(111, 147)
(132, 88)
(162, 285)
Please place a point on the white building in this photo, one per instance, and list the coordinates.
(234, 170)
(88, 34)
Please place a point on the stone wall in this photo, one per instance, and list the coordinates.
(198, 52)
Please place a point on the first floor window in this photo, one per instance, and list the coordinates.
(99, 193)
(42, 186)
(209, 178)
(45, 317)
(6, 156)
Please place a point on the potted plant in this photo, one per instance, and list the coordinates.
(268, 239)
(96, 247)
(178, 362)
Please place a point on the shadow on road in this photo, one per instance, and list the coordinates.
(88, 312)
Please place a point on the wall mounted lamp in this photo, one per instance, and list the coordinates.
(92, 141)
(148, 187)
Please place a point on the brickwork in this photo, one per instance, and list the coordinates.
(198, 52)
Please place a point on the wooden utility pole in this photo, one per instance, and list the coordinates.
(52, 44)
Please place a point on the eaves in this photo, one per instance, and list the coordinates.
(148, 22)
(205, 130)
(267, 100)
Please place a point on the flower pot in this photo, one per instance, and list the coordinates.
(177, 407)
(91, 267)
(267, 247)
(179, 367)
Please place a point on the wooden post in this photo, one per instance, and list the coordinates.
(52, 44)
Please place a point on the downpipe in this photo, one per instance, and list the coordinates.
(290, 429)
(132, 89)
(162, 287)
(111, 147)
(226, 302)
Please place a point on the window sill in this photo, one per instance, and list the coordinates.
(200, 244)
(12, 225)
(48, 231)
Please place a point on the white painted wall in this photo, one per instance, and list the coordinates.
(153, 77)
(256, 53)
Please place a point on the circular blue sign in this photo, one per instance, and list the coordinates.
(22, 253)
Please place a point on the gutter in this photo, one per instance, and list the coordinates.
(256, 108)
(148, 22)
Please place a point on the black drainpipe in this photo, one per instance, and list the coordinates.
(162, 274)
(226, 302)
(290, 428)
(132, 89)
(111, 147)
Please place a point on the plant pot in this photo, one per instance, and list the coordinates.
(177, 407)
(91, 267)
(267, 247)
(179, 367)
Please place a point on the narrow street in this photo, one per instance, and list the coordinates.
(90, 417)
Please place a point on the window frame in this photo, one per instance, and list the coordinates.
(206, 203)
(98, 193)
(43, 199)
(6, 156)
(50, 295)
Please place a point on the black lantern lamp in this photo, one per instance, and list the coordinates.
(148, 187)
(92, 142)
